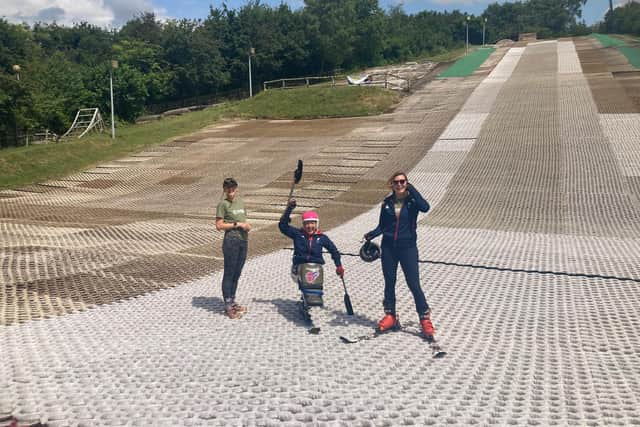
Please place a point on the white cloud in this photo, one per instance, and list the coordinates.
(103, 13)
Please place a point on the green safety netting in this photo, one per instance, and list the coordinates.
(467, 65)
(607, 41)
(632, 53)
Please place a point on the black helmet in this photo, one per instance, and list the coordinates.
(369, 252)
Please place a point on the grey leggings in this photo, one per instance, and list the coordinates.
(235, 254)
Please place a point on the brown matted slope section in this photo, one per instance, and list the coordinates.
(630, 83)
(612, 95)
(43, 298)
(70, 216)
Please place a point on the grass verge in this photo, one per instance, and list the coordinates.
(317, 102)
(21, 166)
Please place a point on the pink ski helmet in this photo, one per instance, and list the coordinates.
(310, 216)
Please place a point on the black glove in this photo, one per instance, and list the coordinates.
(367, 237)
(292, 203)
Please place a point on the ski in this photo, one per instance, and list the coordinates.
(436, 351)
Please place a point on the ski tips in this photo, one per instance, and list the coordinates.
(348, 340)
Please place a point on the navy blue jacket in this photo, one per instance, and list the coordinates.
(307, 248)
(400, 231)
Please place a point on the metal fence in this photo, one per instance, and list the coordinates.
(208, 99)
(387, 80)
(299, 82)
(32, 137)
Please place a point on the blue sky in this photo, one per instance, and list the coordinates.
(107, 13)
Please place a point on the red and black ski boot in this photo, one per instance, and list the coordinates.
(427, 327)
(232, 313)
(389, 322)
(239, 308)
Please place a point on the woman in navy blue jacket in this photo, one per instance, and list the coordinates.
(398, 224)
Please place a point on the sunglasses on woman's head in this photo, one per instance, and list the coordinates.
(400, 181)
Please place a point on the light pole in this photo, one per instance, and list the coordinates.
(16, 69)
(467, 45)
(252, 51)
(484, 25)
(112, 66)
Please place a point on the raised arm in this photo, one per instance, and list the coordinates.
(421, 203)
(283, 225)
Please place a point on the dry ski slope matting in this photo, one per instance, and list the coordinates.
(531, 268)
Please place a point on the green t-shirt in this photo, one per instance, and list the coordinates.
(232, 212)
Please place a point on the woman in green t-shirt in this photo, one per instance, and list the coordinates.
(232, 218)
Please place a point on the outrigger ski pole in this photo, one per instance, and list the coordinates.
(297, 176)
(347, 299)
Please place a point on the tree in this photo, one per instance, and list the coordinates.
(369, 34)
(16, 113)
(331, 33)
(624, 19)
(546, 17)
(14, 45)
(143, 27)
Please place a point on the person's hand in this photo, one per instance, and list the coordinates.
(245, 226)
(367, 237)
(292, 203)
(340, 271)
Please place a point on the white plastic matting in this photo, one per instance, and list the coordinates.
(568, 61)
(623, 132)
